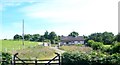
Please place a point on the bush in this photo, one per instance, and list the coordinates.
(106, 49)
(90, 42)
(94, 58)
(7, 57)
(116, 48)
(71, 58)
(95, 45)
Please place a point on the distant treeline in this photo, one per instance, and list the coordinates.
(105, 37)
(47, 37)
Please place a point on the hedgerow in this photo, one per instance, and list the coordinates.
(6, 57)
(93, 58)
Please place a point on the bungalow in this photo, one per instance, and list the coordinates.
(71, 40)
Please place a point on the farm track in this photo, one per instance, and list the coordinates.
(57, 50)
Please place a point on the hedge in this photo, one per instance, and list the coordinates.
(93, 58)
(6, 57)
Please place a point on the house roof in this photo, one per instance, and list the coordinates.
(70, 38)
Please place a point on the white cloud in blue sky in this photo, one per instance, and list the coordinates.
(61, 16)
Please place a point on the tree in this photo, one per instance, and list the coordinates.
(41, 39)
(35, 37)
(17, 37)
(27, 36)
(96, 37)
(108, 37)
(52, 37)
(46, 35)
(74, 34)
(105, 37)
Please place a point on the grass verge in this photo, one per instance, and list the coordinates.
(76, 48)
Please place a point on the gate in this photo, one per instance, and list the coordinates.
(54, 61)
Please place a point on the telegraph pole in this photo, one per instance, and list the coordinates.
(23, 32)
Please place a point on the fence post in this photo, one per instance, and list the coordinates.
(35, 62)
(58, 55)
(14, 58)
(59, 58)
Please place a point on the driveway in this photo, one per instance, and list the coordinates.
(57, 50)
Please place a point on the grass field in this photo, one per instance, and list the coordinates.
(76, 48)
(39, 52)
(10, 45)
(28, 51)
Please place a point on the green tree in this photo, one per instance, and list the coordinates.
(46, 35)
(52, 37)
(41, 39)
(17, 37)
(96, 37)
(35, 37)
(105, 37)
(108, 37)
(74, 34)
(27, 36)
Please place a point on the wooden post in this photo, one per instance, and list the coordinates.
(35, 62)
(14, 60)
(59, 58)
(58, 55)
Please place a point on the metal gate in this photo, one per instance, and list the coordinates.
(17, 61)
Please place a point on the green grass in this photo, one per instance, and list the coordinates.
(10, 45)
(76, 48)
(39, 52)
(30, 50)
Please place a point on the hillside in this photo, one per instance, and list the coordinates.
(29, 50)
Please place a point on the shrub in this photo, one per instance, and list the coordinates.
(74, 58)
(90, 42)
(7, 57)
(94, 58)
(95, 45)
(106, 49)
(116, 48)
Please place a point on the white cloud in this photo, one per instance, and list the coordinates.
(100, 15)
(13, 1)
(72, 10)
(57, 9)
(6, 3)
(83, 16)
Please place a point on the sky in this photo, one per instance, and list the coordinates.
(62, 16)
